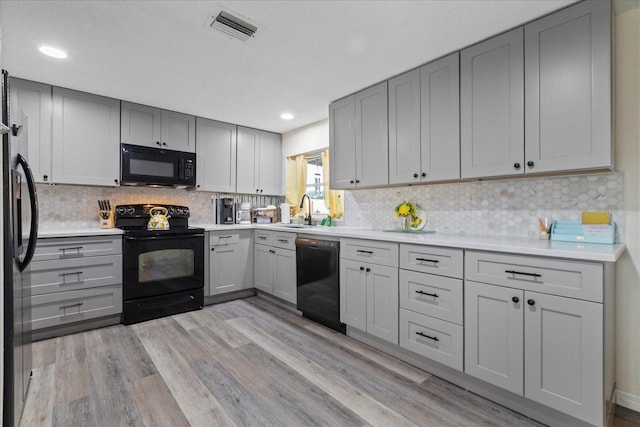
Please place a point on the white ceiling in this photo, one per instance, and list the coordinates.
(305, 53)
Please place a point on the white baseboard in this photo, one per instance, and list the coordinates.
(628, 400)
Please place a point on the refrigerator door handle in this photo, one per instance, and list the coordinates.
(33, 199)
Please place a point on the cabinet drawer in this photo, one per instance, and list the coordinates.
(428, 259)
(574, 279)
(223, 238)
(70, 274)
(432, 338)
(371, 251)
(284, 240)
(264, 237)
(77, 247)
(60, 308)
(435, 296)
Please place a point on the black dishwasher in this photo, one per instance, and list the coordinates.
(318, 281)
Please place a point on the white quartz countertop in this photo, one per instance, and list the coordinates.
(77, 232)
(518, 245)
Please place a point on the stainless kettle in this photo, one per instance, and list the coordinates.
(158, 220)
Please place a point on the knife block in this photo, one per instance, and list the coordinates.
(106, 219)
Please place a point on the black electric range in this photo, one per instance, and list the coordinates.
(163, 270)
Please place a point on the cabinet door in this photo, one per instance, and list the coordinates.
(564, 361)
(263, 268)
(342, 143)
(382, 302)
(270, 164)
(353, 294)
(440, 120)
(224, 276)
(216, 156)
(568, 89)
(246, 172)
(141, 125)
(493, 335)
(284, 283)
(372, 136)
(86, 138)
(404, 128)
(178, 131)
(34, 99)
(492, 107)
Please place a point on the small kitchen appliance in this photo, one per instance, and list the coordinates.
(156, 167)
(162, 269)
(243, 213)
(225, 211)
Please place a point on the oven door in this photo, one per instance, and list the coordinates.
(162, 264)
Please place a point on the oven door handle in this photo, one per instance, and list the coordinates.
(171, 237)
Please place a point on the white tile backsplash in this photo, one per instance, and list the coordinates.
(499, 207)
(65, 206)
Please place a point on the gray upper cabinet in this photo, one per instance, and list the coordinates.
(86, 138)
(358, 139)
(34, 99)
(153, 127)
(342, 143)
(259, 162)
(216, 156)
(568, 89)
(424, 118)
(492, 107)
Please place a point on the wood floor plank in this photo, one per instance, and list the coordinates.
(220, 328)
(193, 397)
(399, 367)
(168, 329)
(44, 353)
(111, 396)
(76, 413)
(38, 410)
(156, 404)
(71, 373)
(362, 404)
(188, 320)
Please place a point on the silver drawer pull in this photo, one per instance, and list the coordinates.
(364, 252)
(523, 273)
(426, 293)
(75, 248)
(422, 334)
(78, 304)
(262, 237)
(435, 261)
(64, 275)
(225, 237)
(283, 240)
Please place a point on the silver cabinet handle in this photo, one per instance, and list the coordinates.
(78, 304)
(283, 240)
(64, 276)
(74, 248)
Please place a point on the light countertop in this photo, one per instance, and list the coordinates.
(78, 232)
(517, 245)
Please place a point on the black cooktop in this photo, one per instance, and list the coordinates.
(134, 218)
(144, 232)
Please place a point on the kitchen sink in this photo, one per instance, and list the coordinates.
(295, 225)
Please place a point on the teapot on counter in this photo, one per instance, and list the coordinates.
(158, 220)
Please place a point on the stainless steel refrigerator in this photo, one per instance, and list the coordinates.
(20, 231)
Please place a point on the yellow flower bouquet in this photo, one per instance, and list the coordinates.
(410, 212)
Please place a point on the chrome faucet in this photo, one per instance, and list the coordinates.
(308, 218)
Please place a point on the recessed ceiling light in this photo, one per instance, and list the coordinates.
(53, 52)
(286, 116)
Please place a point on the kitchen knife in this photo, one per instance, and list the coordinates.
(108, 205)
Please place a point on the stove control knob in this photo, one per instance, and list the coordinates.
(121, 210)
(172, 210)
(131, 210)
(185, 212)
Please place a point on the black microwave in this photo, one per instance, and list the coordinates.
(156, 167)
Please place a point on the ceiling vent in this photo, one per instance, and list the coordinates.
(233, 26)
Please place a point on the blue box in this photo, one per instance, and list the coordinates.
(575, 231)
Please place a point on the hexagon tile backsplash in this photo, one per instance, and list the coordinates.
(504, 207)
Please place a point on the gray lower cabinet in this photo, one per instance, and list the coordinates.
(424, 123)
(548, 348)
(368, 290)
(275, 264)
(358, 139)
(76, 280)
(230, 261)
(492, 107)
(568, 89)
(216, 146)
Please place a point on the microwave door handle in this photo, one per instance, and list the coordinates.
(33, 200)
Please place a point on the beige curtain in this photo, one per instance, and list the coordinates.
(333, 199)
(296, 185)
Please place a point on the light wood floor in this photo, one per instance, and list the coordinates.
(243, 363)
